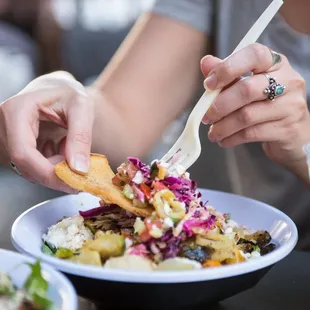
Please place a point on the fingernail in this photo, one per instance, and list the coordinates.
(81, 163)
(211, 81)
(205, 120)
(211, 138)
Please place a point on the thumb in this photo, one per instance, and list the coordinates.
(80, 119)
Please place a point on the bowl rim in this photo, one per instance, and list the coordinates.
(70, 296)
(199, 275)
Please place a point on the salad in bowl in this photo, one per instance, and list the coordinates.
(150, 218)
(32, 296)
(26, 284)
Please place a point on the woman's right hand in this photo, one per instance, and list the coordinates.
(49, 120)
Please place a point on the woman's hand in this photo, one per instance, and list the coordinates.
(242, 113)
(50, 119)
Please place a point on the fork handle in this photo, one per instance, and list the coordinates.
(202, 106)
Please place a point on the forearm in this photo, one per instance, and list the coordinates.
(150, 80)
(48, 33)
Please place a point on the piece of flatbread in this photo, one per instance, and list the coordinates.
(98, 182)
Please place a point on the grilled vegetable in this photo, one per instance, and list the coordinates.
(108, 245)
(195, 252)
(223, 249)
(87, 257)
(267, 249)
(260, 238)
(246, 247)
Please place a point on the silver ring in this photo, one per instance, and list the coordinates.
(276, 58)
(274, 88)
(13, 166)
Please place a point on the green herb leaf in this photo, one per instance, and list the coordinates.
(36, 287)
(51, 247)
(256, 248)
(47, 250)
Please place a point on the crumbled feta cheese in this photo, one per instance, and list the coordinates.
(155, 232)
(128, 243)
(247, 255)
(168, 223)
(139, 226)
(229, 230)
(255, 254)
(70, 233)
(167, 209)
(138, 178)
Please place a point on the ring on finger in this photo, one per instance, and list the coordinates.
(274, 88)
(14, 167)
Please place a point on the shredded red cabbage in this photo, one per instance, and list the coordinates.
(100, 210)
(196, 223)
(184, 189)
(139, 194)
(173, 243)
(139, 250)
(145, 169)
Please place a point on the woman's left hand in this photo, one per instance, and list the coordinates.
(242, 112)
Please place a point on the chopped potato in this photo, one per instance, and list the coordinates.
(224, 249)
(87, 257)
(110, 245)
(130, 262)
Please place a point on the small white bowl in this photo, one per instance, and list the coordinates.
(60, 290)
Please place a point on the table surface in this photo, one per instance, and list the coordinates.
(285, 287)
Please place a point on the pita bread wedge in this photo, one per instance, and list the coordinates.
(98, 182)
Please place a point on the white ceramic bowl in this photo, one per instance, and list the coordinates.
(219, 282)
(61, 291)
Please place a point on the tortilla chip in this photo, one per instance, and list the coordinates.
(98, 182)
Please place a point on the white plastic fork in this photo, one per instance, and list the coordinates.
(187, 148)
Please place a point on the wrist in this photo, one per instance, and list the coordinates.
(301, 169)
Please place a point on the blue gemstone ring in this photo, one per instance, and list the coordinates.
(274, 89)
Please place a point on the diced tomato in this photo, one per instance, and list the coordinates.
(116, 181)
(158, 186)
(145, 236)
(126, 172)
(131, 170)
(146, 191)
(150, 223)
